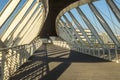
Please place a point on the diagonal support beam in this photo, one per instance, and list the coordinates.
(65, 28)
(21, 24)
(104, 24)
(9, 9)
(16, 20)
(63, 33)
(73, 29)
(90, 26)
(114, 8)
(69, 32)
(2, 45)
(80, 27)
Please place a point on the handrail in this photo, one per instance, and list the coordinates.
(110, 51)
(2, 49)
(13, 57)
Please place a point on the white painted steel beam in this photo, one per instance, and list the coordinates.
(33, 31)
(22, 24)
(64, 32)
(24, 28)
(8, 10)
(28, 25)
(104, 25)
(73, 40)
(62, 23)
(38, 13)
(80, 27)
(90, 26)
(32, 27)
(114, 8)
(16, 20)
(73, 29)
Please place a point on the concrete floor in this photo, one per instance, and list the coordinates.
(56, 63)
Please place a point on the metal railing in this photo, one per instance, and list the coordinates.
(111, 53)
(12, 58)
(69, 29)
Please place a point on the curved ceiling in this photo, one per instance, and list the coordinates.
(55, 6)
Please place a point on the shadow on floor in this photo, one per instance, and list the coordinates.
(37, 66)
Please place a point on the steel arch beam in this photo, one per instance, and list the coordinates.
(64, 34)
(16, 20)
(104, 24)
(90, 26)
(69, 32)
(9, 9)
(80, 27)
(114, 8)
(73, 29)
(55, 7)
(21, 24)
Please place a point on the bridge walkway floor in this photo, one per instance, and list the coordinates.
(51, 62)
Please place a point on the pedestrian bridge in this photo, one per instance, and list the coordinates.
(59, 40)
(51, 62)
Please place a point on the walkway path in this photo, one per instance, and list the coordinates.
(55, 63)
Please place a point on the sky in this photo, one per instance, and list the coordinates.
(9, 20)
(2, 4)
(104, 9)
(100, 5)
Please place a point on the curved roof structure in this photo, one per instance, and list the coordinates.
(23, 22)
(55, 6)
(86, 26)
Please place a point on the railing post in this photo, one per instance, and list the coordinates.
(116, 53)
(98, 52)
(82, 49)
(2, 64)
(94, 51)
(31, 48)
(12, 58)
(103, 53)
(89, 51)
(20, 55)
(109, 54)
